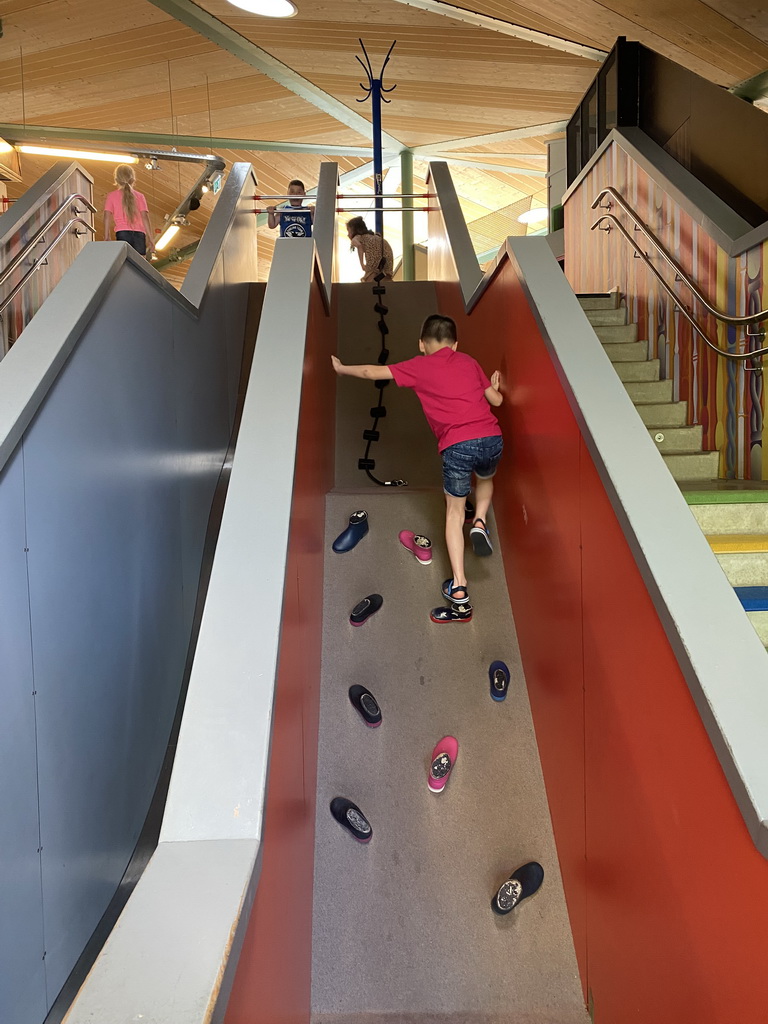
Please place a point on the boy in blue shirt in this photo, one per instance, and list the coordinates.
(294, 219)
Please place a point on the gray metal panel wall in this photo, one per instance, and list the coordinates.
(21, 948)
(110, 489)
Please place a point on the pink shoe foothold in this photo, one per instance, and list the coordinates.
(419, 546)
(443, 759)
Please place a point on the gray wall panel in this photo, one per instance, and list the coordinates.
(21, 950)
(104, 560)
(119, 398)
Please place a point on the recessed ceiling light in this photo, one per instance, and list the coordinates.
(534, 216)
(267, 8)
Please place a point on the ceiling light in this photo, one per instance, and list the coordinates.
(5, 147)
(534, 216)
(267, 8)
(167, 235)
(81, 154)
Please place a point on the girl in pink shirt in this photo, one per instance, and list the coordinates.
(126, 209)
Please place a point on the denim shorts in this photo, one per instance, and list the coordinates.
(480, 456)
(136, 239)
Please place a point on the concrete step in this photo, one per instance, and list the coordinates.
(606, 317)
(692, 466)
(760, 621)
(732, 517)
(609, 301)
(668, 414)
(649, 392)
(677, 439)
(648, 369)
(745, 568)
(632, 352)
(622, 333)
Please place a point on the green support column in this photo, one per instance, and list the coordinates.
(406, 187)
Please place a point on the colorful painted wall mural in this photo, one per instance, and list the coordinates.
(39, 285)
(726, 398)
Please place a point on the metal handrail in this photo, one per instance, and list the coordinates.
(718, 314)
(20, 256)
(39, 261)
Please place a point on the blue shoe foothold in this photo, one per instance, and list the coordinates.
(357, 529)
(498, 674)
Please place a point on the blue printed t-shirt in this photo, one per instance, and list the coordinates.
(295, 221)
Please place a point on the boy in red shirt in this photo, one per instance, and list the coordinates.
(455, 395)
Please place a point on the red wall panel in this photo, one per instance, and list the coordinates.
(667, 896)
(272, 983)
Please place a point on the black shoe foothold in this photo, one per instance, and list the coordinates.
(371, 435)
(381, 310)
(518, 887)
(365, 608)
(366, 705)
(383, 356)
(350, 817)
(379, 412)
(366, 464)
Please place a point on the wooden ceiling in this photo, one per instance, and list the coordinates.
(102, 65)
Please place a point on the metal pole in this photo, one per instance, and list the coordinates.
(378, 173)
(406, 185)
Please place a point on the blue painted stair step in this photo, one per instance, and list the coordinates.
(753, 599)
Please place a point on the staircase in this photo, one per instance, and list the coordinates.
(680, 445)
(732, 514)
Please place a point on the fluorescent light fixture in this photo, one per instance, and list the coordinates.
(534, 216)
(267, 8)
(5, 147)
(80, 154)
(167, 235)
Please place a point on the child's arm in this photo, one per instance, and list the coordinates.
(369, 371)
(493, 394)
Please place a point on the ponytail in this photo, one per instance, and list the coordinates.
(124, 178)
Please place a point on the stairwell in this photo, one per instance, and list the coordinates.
(732, 514)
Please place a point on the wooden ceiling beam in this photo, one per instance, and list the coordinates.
(552, 128)
(508, 29)
(46, 133)
(222, 35)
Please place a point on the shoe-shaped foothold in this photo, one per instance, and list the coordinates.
(364, 609)
(419, 546)
(383, 356)
(354, 533)
(453, 613)
(519, 886)
(371, 435)
(379, 289)
(366, 464)
(379, 412)
(379, 277)
(441, 763)
(498, 673)
(351, 818)
(456, 595)
(383, 329)
(481, 541)
(381, 384)
(380, 309)
(366, 705)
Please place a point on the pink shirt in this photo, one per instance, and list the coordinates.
(114, 205)
(451, 388)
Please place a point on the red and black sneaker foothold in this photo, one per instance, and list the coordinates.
(350, 817)
(365, 608)
(366, 704)
(519, 886)
(455, 613)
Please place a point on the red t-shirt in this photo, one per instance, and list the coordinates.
(451, 388)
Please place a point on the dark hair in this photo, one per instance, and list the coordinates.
(358, 226)
(438, 328)
(297, 182)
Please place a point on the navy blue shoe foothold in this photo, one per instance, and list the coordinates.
(453, 613)
(365, 608)
(366, 704)
(456, 595)
(498, 674)
(518, 887)
(354, 533)
(350, 817)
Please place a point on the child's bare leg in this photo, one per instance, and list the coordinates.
(483, 495)
(454, 537)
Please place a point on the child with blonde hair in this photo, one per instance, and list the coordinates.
(126, 209)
